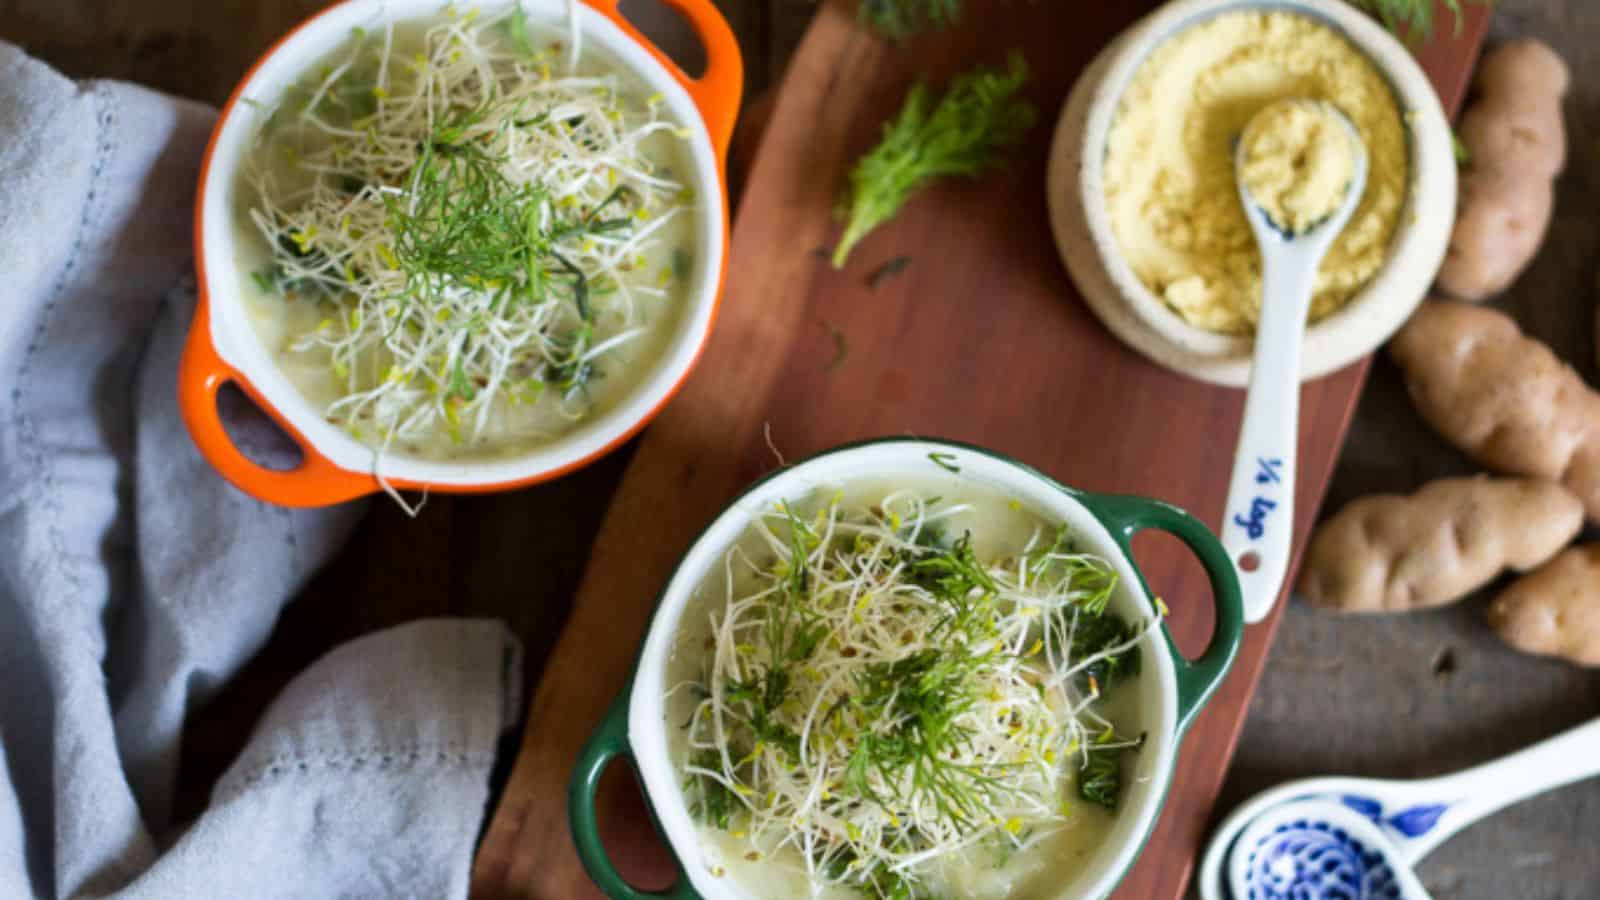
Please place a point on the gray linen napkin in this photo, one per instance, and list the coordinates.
(134, 582)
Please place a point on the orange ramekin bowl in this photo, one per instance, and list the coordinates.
(222, 346)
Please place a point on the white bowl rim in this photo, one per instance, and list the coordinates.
(235, 340)
(1416, 249)
(647, 729)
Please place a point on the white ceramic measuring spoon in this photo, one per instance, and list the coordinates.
(1259, 516)
(1359, 838)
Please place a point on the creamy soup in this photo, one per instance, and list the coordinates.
(463, 237)
(911, 689)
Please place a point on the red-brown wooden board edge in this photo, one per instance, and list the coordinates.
(982, 338)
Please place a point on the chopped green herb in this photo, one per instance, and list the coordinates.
(961, 134)
(899, 19)
(312, 278)
(266, 280)
(1098, 633)
(1100, 775)
(945, 461)
(875, 878)
(1413, 17)
(710, 800)
(1463, 155)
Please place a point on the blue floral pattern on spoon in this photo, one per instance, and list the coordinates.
(1412, 822)
(1307, 859)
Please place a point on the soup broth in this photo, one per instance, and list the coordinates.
(461, 239)
(933, 700)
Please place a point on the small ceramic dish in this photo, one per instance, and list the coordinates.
(223, 347)
(1172, 688)
(1141, 319)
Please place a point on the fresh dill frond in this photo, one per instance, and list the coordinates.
(899, 19)
(961, 133)
(1412, 17)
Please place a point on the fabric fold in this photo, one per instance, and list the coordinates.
(355, 805)
(134, 582)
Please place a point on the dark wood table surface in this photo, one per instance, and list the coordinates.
(1391, 697)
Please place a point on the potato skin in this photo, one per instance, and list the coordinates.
(1503, 398)
(1500, 225)
(1516, 145)
(1555, 611)
(1515, 120)
(1394, 553)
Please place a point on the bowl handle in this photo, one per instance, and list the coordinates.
(717, 92)
(201, 373)
(609, 741)
(1127, 516)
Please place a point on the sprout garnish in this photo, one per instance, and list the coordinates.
(472, 219)
(878, 696)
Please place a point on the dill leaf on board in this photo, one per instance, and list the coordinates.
(961, 133)
(1414, 17)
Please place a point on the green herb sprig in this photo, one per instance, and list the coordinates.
(899, 19)
(962, 133)
(1414, 17)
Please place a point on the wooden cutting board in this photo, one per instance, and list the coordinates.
(982, 338)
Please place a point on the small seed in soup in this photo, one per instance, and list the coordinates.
(458, 241)
(904, 691)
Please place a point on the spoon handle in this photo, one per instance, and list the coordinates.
(1258, 519)
(1482, 790)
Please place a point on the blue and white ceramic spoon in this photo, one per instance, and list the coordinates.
(1259, 515)
(1359, 838)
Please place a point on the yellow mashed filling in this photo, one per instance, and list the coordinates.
(1169, 170)
(1296, 160)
